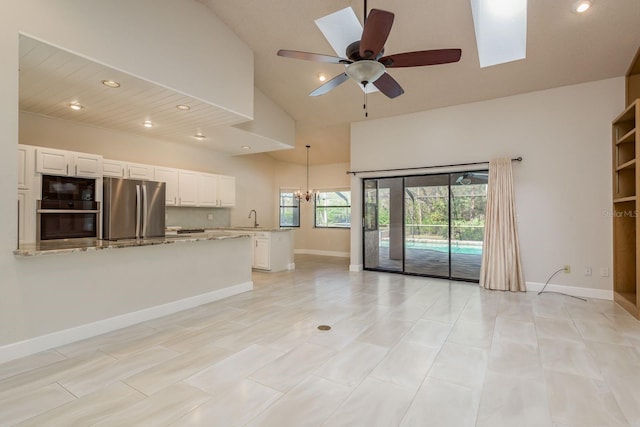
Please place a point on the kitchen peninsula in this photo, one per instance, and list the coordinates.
(102, 287)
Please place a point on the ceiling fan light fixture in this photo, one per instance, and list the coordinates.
(322, 77)
(365, 71)
(582, 6)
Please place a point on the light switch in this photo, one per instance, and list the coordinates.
(604, 272)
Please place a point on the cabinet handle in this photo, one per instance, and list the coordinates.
(76, 169)
(175, 200)
(67, 169)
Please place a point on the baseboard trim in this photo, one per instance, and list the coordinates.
(322, 253)
(356, 268)
(67, 336)
(577, 291)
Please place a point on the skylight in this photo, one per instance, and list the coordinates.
(501, 30)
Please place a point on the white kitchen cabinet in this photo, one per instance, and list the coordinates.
(170, 177)
(187, 188)
(262, 251)
(113, 168)
(26, 216)
(87, 165)
(50, 161)
(226, 191)
(207, 190)
(272, 250)
(25, 166)
(53, 162)
(139, 171)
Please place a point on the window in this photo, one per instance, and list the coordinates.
(333, 209)
(289, 208)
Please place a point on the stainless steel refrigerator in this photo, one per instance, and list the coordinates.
(133, 209)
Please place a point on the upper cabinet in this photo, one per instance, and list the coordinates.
(113, 168)
(226, 191)
(208, 190)
(170, 177)
(68, 163)
(187, 188)
(139, 171)
(216, 190)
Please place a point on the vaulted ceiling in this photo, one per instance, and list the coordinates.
(563, 48)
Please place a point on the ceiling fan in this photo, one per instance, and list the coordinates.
(365, 61)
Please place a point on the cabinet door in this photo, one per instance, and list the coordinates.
(261, 253)
(139, 171)
(113, 168)
(87, 165)
(25, 167)
(170, 178)
(207, 190)
(187, 188)
(50, 161)
(227, 190)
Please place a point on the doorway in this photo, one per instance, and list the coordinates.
(427, 225)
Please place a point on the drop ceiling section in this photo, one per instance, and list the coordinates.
(51, 78)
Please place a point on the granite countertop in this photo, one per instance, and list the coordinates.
(255, 228)
(83, 245)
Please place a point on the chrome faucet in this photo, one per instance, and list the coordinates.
(255, 218)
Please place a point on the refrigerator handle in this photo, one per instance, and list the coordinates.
(144, 211)
(138, 203)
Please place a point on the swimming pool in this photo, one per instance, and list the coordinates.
(440, 247)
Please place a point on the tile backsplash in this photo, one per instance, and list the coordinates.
(198, 217)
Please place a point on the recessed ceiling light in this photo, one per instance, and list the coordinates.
(200, 136)
(183, 107)
(111, 83)
(582, 6)
(147, 124)
(246, 147)
(75, 106)
(322, 77)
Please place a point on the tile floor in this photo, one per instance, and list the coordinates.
(402, 351)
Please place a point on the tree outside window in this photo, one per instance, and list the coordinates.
(333, 209)
(289, 208)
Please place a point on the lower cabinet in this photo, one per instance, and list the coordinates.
(273, 250)
(261, 251)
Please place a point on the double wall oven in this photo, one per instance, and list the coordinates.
(67, 208)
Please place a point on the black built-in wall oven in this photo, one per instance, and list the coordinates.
(68, 208)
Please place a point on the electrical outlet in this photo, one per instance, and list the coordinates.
(210, 217)
(604, 272)
(567, 269)
(587, 271)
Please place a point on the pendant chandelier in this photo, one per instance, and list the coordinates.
(308, 195)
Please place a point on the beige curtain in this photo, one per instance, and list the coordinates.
(501, 268)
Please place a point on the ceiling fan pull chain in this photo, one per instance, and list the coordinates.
(364, 106)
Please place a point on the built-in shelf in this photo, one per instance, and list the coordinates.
(631, 164)
(626, 182)
(625, 199)
(628, 138)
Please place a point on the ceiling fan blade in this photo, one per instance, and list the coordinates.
(375, 33)
(340, 28)
(331, 84)
(421, 58)
(312, 57)
(387, 85)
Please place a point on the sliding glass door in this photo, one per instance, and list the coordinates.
(428, 225)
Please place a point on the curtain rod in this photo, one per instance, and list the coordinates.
(515, 159)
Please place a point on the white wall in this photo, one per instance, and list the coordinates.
(563, 186)
(177, 44)
(308, 239)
